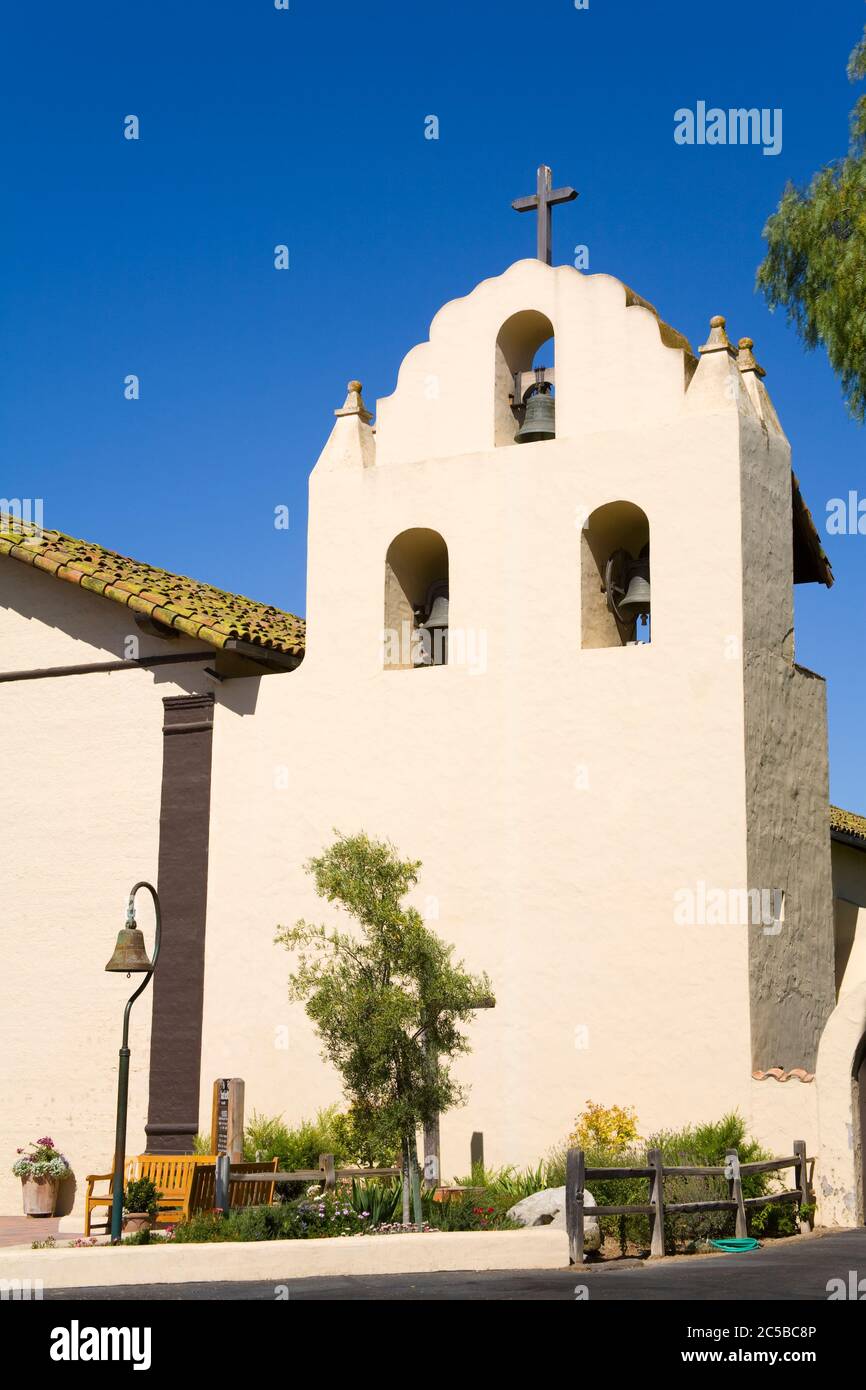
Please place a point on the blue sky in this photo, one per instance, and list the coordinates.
(306, 127)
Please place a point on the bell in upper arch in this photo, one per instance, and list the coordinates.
(539, 422)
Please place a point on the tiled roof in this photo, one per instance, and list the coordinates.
(779, 1074)
(811, 564)
(848, 823)
(198, 610)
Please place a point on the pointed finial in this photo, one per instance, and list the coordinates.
(354, 404)
(746, 358)
(718, 340)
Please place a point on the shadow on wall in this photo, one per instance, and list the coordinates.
(107, 629)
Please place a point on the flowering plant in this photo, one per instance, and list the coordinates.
(330, 1214)
(611, 1127)
(43, 1161)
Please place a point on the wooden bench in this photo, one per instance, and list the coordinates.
(241, 1194)
(172, 1175)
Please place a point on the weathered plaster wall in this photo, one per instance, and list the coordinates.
(79, 824)
(791, 969)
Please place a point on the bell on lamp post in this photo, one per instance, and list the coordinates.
(130, 954)
(130, 957)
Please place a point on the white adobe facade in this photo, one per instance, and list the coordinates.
(567, 791)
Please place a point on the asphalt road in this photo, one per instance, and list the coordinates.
(783, 1272)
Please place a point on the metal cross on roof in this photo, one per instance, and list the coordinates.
(544, 199)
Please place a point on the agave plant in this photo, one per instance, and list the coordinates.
(382, 1201)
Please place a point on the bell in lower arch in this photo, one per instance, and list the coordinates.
(539, 422)
(435, 629)
(636, 602)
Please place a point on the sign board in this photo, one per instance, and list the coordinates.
(227, 1122)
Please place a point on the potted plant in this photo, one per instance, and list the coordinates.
(140, 1205)
(41, 1171)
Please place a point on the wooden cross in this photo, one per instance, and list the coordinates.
(544, 199)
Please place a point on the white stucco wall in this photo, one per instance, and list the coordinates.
(564, 895)
(79, 824)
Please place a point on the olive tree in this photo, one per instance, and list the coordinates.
(385, 996)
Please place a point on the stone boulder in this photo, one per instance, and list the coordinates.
(547, 1208)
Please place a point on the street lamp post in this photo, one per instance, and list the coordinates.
(130, 957)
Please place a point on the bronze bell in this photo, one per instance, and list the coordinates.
(636, 601)
(438, 617)
(539, 422)
(435, 633)
(130, 956)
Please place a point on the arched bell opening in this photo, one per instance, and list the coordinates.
(615, 576)
(525, 379)
(416, 600)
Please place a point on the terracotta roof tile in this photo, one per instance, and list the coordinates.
(779, 1075)
(199, 610)
(848, 823)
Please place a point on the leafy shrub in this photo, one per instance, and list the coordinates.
(296, 1146)
(142, 1194)
(608, 1127)
(203, 1226)
(697, 1146)
(365, 1140)
(486, 1210)
(328, 1214)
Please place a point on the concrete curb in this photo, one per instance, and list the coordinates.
(286, 1260)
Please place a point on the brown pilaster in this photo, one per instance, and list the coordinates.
(178, 983)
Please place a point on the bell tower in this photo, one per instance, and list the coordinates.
(587, 779)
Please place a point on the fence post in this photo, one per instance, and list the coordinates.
(328, 1167)
(476, 1150)
(802, 1175)
(222, 1178)
(657, 1220)
(735, 1192)
(575, 1179)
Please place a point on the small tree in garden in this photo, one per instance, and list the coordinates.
(386, 998)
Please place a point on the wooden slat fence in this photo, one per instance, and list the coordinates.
(577, 1174)
(327, 1173)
